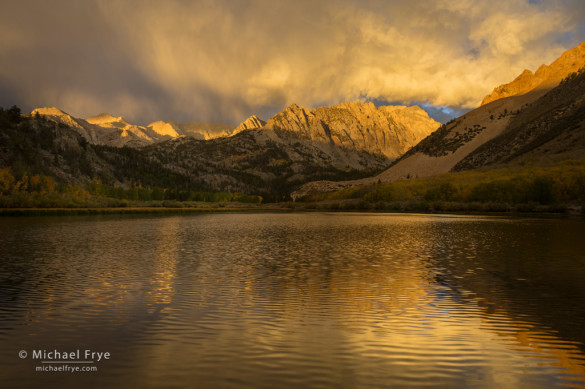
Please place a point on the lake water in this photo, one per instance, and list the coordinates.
(307, 300)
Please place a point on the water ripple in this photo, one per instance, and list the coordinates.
(299, 300)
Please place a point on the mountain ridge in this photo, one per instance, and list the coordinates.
(107, 129)
(255, 162)
(546, 76)
(251, 123)
(519, 123)
(538, 115)
(387, 130)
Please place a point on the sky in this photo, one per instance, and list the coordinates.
(223, 61)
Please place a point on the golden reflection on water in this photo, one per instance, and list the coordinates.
(554, 351)
(371, 296)
(281, 299)
(164, 263)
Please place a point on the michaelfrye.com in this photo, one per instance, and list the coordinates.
(72, 361)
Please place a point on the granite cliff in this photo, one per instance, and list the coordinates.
(387, 130)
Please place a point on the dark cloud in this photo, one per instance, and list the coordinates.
(65, 54)
(225, 60)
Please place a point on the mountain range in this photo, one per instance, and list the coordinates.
(349, 140)
(536, 117)
(105, 129)
(387, 130)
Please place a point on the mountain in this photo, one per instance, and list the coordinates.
(161, 128)
(252, 123)
(550, 129)
(116, 131)
(105, 129)
(257, 161)
(261, 162)
(297, 145)
(388, 131)
(345, 141)
(539, 117)
(85, 129)
(206, 131)
(545, 77)
(536, 116)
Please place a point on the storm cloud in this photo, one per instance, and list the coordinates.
(225, 60)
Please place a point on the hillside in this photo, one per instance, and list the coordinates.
(498, 131)
(550, 129)
(268, 163)
(261, 162)
(252, 123)
(537, 118)
(389, 131)
(346, 141)
(545, 76)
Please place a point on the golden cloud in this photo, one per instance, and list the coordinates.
(225, 60)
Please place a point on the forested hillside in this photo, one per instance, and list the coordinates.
(47, 163)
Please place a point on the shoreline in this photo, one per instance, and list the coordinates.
(274, 208)
(123, 211)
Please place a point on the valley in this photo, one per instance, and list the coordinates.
(339, 152)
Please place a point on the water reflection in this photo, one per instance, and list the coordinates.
(294, 300)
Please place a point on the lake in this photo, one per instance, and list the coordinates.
(311, 300)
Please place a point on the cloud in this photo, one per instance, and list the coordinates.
(225, 60)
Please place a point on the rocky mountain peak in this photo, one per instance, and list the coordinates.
(49, 111)
(546, 76)
(385, 131)
(252, 123)
(389, 131)
(357, 106)
(58, 115)
(164, 129)
(295, 110)
(293, 107)
(105, 118)
(295, 119)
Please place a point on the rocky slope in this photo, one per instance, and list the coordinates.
(539, 121)
(90, 132)
(443, 149)
(349, 140)
(105, 129)
(545, 77)
(205, 130)
(550, 129)
(270, 163)
(167, 129)
(252, 123)
(389, 131)
(260, 162)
